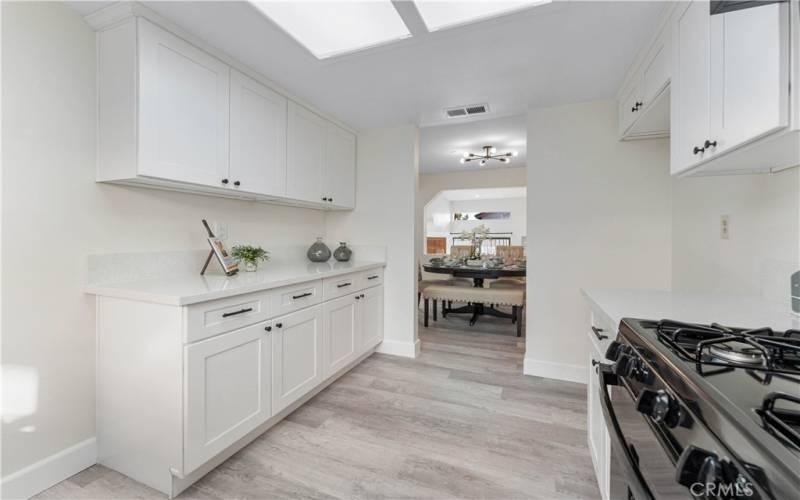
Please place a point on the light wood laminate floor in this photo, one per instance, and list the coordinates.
(460, 421)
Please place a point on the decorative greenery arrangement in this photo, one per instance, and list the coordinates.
(476, 236)
(249, 254)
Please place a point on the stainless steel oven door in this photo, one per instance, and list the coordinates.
(640, 467)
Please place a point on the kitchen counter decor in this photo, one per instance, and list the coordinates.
(250, 256)
(343, 253)
(319, 252)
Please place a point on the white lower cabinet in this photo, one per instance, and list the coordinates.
(340, 331)
(180, 388)
(297, 356)
(599, 440)
(371, 317)
(228, 389)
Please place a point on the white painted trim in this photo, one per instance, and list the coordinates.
(557, 371)
(398, 348)
(43, 474)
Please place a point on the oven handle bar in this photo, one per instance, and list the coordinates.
(636, 482)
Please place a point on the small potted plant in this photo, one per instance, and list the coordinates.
(250, 256)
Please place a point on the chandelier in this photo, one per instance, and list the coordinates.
(489, 153)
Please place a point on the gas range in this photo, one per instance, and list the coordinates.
(704, 410)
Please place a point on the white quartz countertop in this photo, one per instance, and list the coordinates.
(192, 288)
(734, 311)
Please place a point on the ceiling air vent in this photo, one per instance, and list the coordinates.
(472, 109)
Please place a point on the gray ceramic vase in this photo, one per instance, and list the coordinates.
(319, 252)
(342, 254)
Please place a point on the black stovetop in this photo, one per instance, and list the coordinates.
(751, 399)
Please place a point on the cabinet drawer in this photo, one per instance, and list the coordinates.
(212, 318)
(341, 285)
(373, 277)
(291, 298)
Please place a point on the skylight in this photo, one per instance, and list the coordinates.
(331, 28)
(439, 14)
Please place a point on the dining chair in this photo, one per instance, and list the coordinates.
(461, 251)
(510, 253)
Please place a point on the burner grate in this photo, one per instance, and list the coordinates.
(785, 421)
(718, 345)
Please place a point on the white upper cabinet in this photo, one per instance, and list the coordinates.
(306, 144)
(173, 115)
(749, 74)
(643, 101)
(183, 110)
(340, 167)
(258, 137)
(690, 85)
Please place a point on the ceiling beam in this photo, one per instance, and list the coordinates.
(410, 15)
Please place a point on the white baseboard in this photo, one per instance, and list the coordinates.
(398, 348)
(43, 474)
(558, 371)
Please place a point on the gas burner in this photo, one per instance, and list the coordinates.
(737, 352)
(717, 345)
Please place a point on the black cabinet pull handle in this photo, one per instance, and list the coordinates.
(330, 199)
(709, 144)
(373, 277)
(358, 297)
(324, 198)
(597, 333)
(698, 150)
(295, 297)
(240, 311)
(224, 181)
(362, 295)
(268, 328)
(343, 285)
(237, 183)
(279, 325)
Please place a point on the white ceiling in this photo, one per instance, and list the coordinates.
(483, 193)
(441, 147)
(556, 53)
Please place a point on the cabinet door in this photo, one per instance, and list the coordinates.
(630, 105)
(599, 440)
(690, 85)
(339, 333)
(183, 110)
(258, 137)
(340, 167)
(749, 74)
(227, 390)
(305, 160)
(656, 69)
(371, 318)
(297, 356)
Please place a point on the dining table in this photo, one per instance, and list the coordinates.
(478, 274)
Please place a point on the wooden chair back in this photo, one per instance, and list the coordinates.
(510, 253)
(461, 251)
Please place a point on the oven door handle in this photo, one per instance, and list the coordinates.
(636, 482)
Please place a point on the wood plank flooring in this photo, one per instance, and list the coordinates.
(460, 421)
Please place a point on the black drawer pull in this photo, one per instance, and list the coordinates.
(307, 294)
(597, 332)
(240, 311)
(343, 285)
(373, 277)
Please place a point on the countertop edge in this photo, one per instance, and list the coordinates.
(117, 290)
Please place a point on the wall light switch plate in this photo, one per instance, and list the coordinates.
(725, 227)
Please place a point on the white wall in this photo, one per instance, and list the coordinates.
(54, 215)
(599, 215)
(516, 224)
(762, 250)
(385, 214)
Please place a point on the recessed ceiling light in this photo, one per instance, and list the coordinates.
(332, 28)
(439, 14)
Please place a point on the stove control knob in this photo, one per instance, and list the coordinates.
(623, 365)
(659, 406)
(694, 466)
(614, 350)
